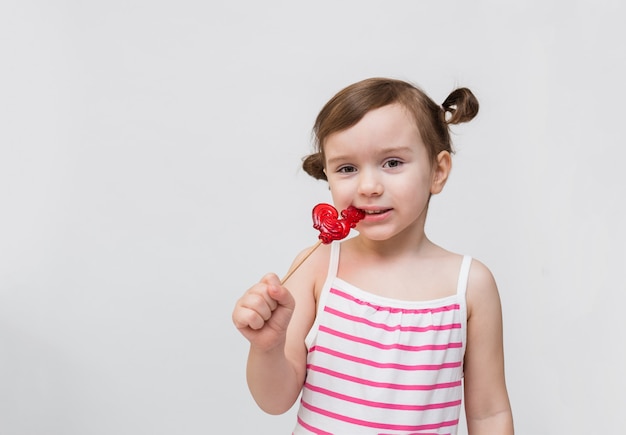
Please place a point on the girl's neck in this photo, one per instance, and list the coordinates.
(398, 246)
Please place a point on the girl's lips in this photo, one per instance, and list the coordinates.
(377, 210)
(376, 214)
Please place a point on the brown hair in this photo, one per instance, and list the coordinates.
(350, 104)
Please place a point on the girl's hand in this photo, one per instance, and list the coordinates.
(263, 313)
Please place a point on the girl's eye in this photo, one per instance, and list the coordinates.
(346, 169)
(392, 163)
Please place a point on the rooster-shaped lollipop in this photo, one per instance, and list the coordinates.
(326, 220)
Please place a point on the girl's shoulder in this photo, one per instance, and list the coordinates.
(312, 272)
(480, 272)
(482, 290)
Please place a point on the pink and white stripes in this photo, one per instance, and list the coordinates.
(383, 366)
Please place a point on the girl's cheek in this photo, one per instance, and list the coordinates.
(342, 197)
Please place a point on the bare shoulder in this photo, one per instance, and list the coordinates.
(482, 289)
(320, 254)
(314, 259)
(480, 275)
(312, 267)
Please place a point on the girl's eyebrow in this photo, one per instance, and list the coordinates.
(382, 151)
(397, 149)
(337, 159)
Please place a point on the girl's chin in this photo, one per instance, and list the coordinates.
(375, 235)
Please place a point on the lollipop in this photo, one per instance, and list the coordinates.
(326, 220)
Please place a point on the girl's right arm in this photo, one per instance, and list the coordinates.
(275, 321)
(487, 406)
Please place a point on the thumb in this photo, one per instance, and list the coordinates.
(276, 291)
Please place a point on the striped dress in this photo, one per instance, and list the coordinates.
(383, 366)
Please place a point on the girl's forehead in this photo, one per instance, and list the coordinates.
(392, 123)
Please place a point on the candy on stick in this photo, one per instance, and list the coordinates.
(331, 227)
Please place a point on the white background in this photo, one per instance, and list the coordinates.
(150, 172)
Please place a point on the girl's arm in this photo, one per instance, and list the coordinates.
(487, 406)
(275, 321)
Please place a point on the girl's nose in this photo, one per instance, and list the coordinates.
(369, 184)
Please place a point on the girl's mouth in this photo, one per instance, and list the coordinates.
(376, 215)
(370, 212)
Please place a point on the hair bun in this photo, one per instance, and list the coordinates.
(462, 106)
(313, 165)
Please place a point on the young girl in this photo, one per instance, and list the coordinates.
(381, 333)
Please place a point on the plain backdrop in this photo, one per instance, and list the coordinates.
(150, 173)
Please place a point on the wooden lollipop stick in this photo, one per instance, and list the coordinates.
(295, 267)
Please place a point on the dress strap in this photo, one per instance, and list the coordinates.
(333, 263)
(464, 275)
(333, 267)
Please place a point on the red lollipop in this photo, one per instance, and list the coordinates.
(331, 227)
(326, 220)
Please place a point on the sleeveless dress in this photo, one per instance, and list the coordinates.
(383, 366)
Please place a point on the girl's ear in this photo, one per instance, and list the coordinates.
(441, 171)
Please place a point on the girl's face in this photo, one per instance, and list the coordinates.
(381, 166)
